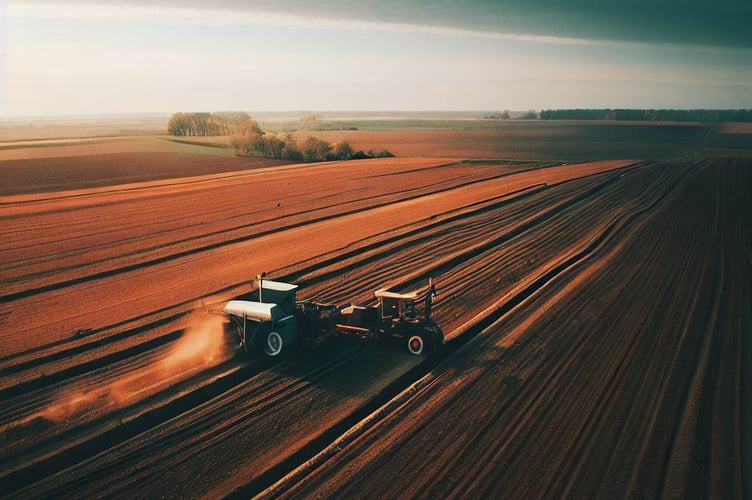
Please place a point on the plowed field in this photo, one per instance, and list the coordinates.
(597, 319)
(47, 166)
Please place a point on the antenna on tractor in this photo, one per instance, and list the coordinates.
(260, 279)
(429, 298)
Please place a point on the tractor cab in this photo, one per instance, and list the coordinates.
(267, 324)
(407, 316)
(411, 307)
(278, 293)
(395, 306)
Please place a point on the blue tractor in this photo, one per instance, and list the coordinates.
(276, 320)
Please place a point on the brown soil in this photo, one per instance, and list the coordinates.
(92, 163)
(627, 375)
(55, 128)
(566, 285)
(529, 140)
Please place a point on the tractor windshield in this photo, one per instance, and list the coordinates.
(408, 309)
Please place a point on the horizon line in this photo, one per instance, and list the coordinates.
(115, 114)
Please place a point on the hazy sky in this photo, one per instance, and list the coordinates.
(111, 56)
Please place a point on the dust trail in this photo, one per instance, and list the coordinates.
(201, 346)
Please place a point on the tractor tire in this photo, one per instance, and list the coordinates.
(435, 333)
(416, 344)
(273, 344)
(424, 342)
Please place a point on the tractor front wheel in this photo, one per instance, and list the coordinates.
(273, 344)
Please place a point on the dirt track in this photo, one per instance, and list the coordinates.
(561, 244)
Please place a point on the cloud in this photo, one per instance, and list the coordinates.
(219, 16)
(138, 57)
(682, 22)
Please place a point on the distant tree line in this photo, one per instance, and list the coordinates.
(676, 115)
(249, 140)
(499, 115)
(507, 115)
(205, 124)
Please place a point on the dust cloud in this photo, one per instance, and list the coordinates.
(201, 346)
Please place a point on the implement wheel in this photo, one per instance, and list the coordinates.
(416, 344)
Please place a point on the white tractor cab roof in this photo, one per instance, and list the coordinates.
(392, 295)
(256, 311)
(278, 286)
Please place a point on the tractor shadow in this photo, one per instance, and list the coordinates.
(349, 368)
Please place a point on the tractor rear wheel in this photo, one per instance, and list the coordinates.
(273, 344)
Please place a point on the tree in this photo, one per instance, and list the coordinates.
(270, 146)
(177, 124)
(250, 140)
(205, 124)
(499, 115)
(247, 138)
(360, 155)
(315, 149)
(343, 151)
(291, 151)
(248, 126)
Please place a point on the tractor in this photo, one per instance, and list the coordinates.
(276, 321)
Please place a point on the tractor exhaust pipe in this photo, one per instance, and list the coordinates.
(260, 279)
